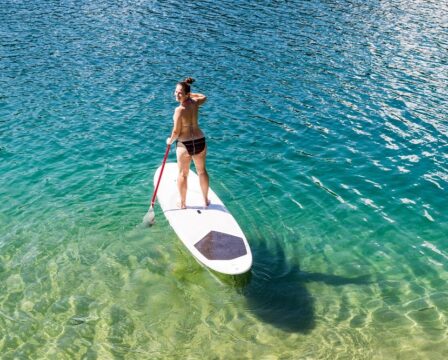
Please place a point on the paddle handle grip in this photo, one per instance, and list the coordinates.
(153, 200)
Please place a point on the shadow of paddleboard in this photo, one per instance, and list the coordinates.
(276, 291)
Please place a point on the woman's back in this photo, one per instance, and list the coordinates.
(188, 114)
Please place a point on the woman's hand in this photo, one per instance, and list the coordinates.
(200, 98)
(169, 141)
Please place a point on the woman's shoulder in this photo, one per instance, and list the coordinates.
(178, 112)
(181, 108)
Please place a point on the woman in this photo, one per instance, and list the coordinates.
(190, 139)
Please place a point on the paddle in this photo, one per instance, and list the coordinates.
(148, 219)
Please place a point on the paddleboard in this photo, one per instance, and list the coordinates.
(211, 234)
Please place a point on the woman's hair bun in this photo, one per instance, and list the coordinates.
(189, 80)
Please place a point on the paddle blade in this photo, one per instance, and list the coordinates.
(149, 217)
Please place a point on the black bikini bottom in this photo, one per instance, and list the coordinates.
(194, 147)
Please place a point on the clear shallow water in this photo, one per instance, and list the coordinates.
(327, 128)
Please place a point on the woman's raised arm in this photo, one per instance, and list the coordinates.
(200, 98)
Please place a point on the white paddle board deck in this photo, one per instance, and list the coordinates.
(211, 233)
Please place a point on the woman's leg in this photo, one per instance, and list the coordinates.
(183, 162)
(199, 163)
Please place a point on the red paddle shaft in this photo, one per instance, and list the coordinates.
(153, 200)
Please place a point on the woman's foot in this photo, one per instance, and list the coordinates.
(181, 205)
(207, 203)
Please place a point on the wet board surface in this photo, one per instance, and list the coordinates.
(211, 234)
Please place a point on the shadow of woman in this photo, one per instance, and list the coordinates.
(276, 293)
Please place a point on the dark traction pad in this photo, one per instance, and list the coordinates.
(221, 246)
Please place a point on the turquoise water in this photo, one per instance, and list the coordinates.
(328, 136)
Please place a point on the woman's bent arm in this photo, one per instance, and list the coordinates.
(200, 98)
